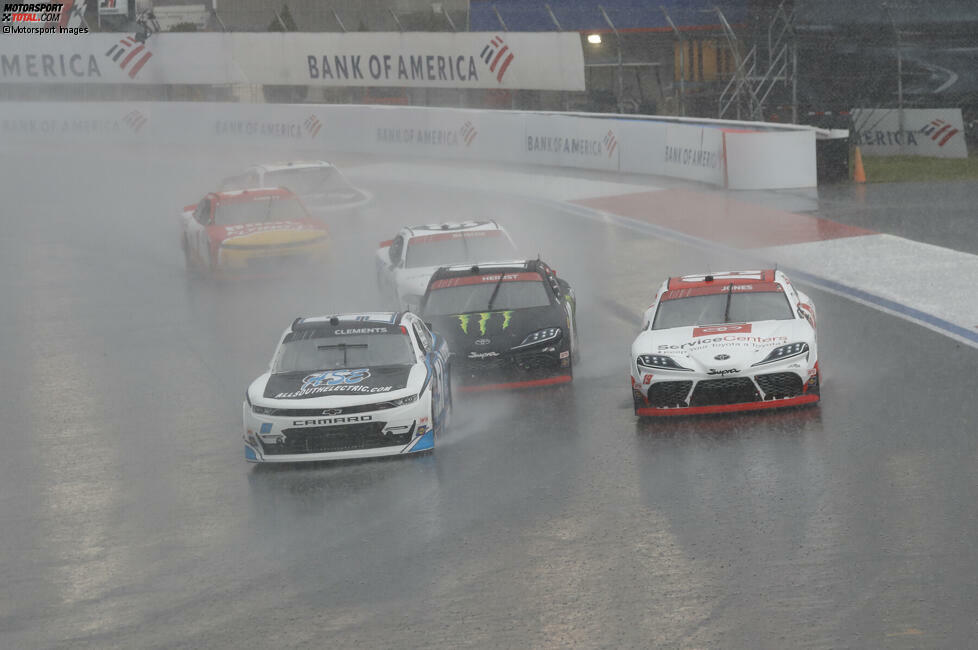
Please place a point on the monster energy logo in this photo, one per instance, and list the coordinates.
(464, 319)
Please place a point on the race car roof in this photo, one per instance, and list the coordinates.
(456, 234)
(233, 196)
(724, 287)
(509, 271)
(721, 279)
(451, 227)
(386, 317)
(293, 164)
(486, 278)
(496, 267)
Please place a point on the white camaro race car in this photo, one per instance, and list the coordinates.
(407, 262)
(350, 386)
(725, 342)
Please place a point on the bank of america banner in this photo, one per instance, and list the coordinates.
(487, 60)
(937, 132)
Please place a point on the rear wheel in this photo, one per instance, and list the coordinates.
(449, 401)
(575, 345)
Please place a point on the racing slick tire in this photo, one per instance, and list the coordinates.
(438, 426)
(575, 349)
(449, 398)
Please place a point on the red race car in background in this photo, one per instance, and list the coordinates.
(261, 230)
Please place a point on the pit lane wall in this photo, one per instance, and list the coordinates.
(737, 155)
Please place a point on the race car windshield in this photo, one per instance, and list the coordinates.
(713, 309)
(271, 208)
(311, 180)
(475, 298)
(459, 250)
(344, 352)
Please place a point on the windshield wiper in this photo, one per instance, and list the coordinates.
(726, 310)
(344, 347)
(495, 291)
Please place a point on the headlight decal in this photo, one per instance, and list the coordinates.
(410, 399)
(659, 361)
(784, 352)
(540, 336)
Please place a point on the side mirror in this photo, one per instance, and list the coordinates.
(390, 256)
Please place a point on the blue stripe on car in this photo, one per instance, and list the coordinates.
(427, 441)
(250, 454)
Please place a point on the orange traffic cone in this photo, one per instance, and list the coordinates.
(858, 173)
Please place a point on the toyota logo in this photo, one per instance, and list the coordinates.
(483, 341)
(720, 329)
(722, 357)
(331, 411)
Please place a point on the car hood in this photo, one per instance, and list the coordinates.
(497, 331)
(742, 343)
(269, 234)
(329, 388)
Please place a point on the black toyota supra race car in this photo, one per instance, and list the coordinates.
(508, 324)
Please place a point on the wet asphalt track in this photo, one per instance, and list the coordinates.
(128, 517)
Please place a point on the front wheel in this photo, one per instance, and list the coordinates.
(815, 384)
(638, 401)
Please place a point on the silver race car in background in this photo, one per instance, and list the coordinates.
(725, 342)
(321, 185)
(349, 386)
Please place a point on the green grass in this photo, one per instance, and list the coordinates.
(900, 169)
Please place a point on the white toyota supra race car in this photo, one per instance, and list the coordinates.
(350, 386)
(725, 342)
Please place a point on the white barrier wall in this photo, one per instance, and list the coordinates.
(508, 60)
(759, 164)
(773, 159)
